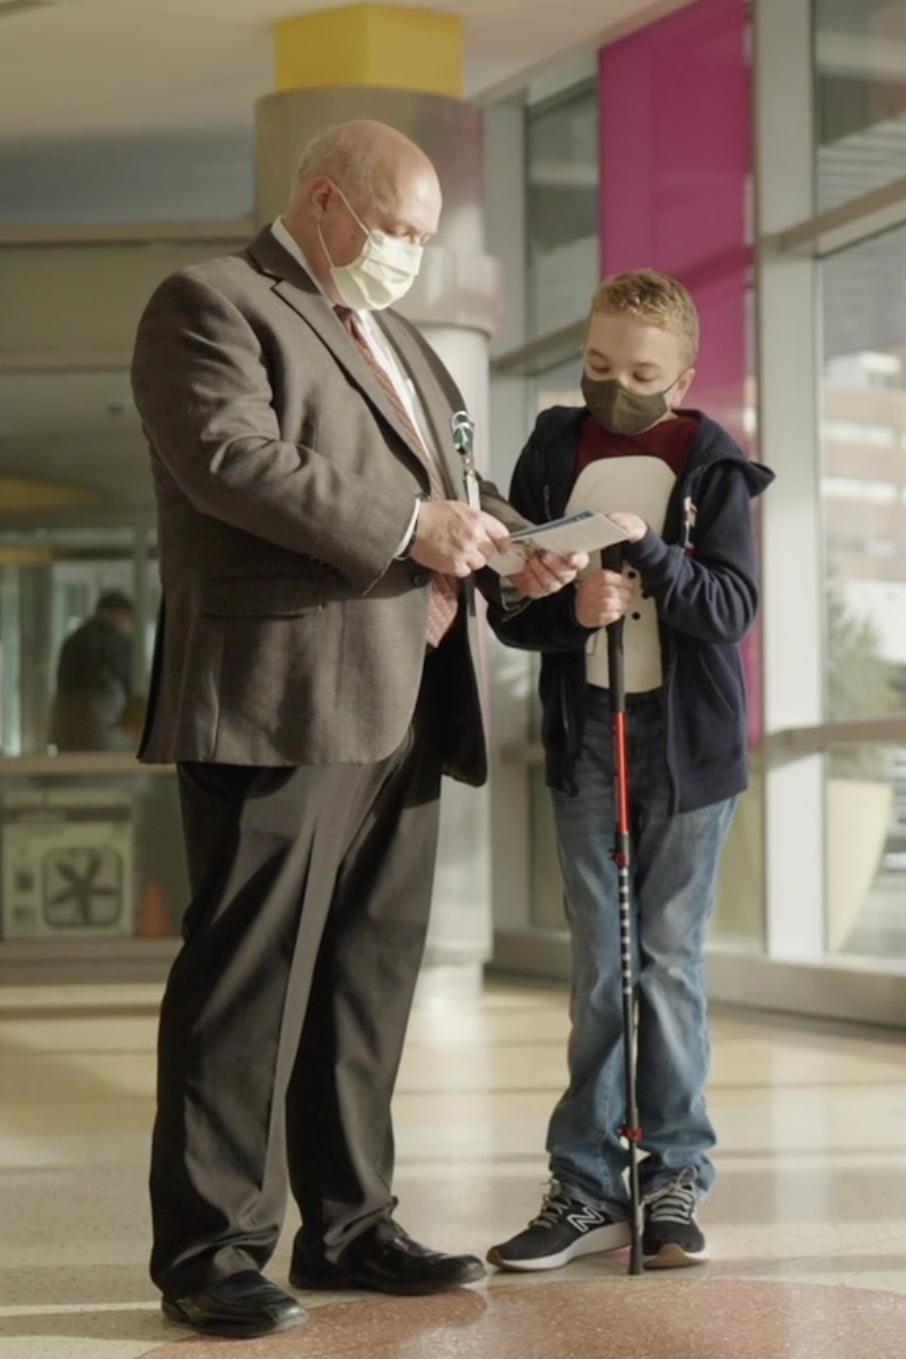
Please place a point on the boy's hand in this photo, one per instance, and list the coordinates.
(603, 597)
(634, 527)
(545, 573)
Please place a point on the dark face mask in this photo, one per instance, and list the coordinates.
(619, 409)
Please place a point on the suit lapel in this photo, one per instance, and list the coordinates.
(437, 407)
(299, 291)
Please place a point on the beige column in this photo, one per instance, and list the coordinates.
(403, 67)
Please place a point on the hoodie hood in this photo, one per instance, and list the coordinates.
(714, 445)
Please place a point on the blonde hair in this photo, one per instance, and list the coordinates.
(657, 300)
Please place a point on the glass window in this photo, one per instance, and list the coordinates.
(864, 494)
(77, 610)
(864, 478)
(860, 51)
(562, 208)
(90, 844)
(866, 854)
(76, 514)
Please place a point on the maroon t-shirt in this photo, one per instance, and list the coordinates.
(671, 441)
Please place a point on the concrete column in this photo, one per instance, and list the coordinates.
(403, 67)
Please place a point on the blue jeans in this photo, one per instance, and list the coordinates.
(673, 875)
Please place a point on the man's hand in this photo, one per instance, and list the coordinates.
(455, 539)
(603, 597)
(634, 527)
(545, 573)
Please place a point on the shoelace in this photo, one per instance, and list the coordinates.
(676, 1203)
(553, 1209)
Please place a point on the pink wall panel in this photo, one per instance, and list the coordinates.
(676, 162)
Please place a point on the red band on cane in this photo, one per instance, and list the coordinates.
(622, 773)
(631, 1134)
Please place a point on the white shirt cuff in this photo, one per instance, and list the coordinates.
(400, 553)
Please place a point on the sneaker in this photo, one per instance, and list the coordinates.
(672, 1238)
(563, 1230)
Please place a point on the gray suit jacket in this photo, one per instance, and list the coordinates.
(284, 483)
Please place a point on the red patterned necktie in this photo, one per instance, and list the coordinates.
(444, 602)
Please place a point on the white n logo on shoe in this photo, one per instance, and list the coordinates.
(584, 1221)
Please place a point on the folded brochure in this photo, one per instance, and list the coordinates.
(587, 531)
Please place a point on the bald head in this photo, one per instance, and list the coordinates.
(362, 155)
(361, 170)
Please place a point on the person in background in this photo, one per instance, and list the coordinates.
(94, 680)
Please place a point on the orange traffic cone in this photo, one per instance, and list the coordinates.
(154, 917)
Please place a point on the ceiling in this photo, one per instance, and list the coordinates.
(78, 429)
(96, 68)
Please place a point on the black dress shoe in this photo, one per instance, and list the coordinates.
(386, 1260)
(241, 1306)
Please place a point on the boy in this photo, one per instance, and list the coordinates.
(680, 488)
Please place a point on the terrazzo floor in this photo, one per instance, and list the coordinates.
(807, 1226)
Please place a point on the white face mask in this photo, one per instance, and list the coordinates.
(382, 274)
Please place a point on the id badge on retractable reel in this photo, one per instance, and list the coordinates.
(463, 430)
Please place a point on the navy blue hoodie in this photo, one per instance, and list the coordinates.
(702, 575)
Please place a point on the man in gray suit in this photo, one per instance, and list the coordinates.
(313, 680)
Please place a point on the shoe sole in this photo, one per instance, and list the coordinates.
(174, 1313)
(597, 1242)
(673, 1256)
(345, 1282)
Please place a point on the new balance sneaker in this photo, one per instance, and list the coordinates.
(672, 1238)
(563, 1230)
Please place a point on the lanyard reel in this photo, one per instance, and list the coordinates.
(463, 431)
